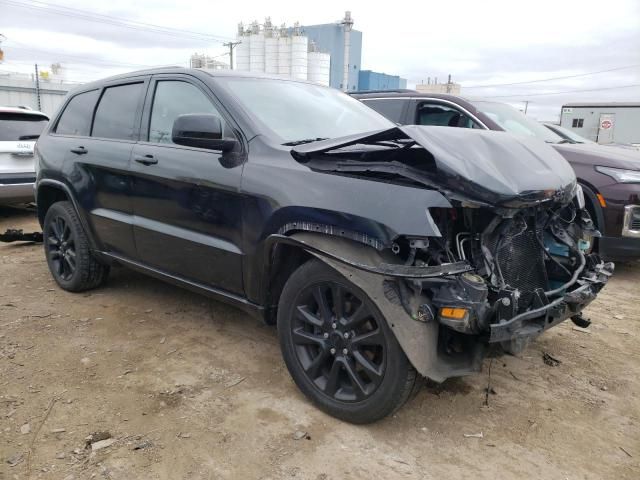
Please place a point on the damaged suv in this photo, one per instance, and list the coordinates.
(384, 254)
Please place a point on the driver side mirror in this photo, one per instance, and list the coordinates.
(201, 130)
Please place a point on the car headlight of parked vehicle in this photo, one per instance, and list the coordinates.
(621, 175)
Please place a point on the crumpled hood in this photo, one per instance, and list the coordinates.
(603, 155)
(491, 166)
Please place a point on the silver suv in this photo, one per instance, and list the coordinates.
(19, 129)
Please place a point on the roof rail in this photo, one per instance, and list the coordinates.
(392, 90)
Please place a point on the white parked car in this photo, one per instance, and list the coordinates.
(19, 129)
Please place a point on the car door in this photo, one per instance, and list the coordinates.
(186, 203)
(98, 129)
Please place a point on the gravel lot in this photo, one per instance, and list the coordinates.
(189, 388)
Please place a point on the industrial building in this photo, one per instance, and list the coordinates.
(370, 80)
(46, 94)
(615, 122)
(200, 60)
(449, 87)
(281, 51)
(328, 54)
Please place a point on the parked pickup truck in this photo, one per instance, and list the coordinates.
(609, 176)
(384, 254)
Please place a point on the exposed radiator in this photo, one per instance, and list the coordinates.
(521, 259)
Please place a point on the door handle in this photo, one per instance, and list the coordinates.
(146, 159)
(79, 150)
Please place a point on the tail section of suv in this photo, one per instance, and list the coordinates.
(384, 254)
(613, 198)
(19, 130)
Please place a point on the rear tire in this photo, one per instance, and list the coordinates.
(66, 248)
(339, 349)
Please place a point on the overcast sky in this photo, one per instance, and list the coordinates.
(478, 42)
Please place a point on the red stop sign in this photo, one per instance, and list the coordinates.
(606, 124)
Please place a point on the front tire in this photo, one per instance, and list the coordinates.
(339, 349)
(66, 247)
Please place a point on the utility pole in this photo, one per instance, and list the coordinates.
(231, 46)
(38, 88)
(449, 84)
(526, 106)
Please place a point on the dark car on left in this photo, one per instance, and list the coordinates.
(384, 254)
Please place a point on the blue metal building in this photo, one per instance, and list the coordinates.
(330, 38)
(370, 80)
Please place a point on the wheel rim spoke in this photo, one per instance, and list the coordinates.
(359, 388)
(331, 386)
(306, 316)
(373, 372)
(337, 296)
(53, 241)
(358, 317)
(302, 337)
(372, 338)
(321, 300)
(315, 367)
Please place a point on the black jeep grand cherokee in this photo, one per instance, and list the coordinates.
(385, 254)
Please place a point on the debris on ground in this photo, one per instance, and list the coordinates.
(15, 459)
(473, 435)
(184, 435)
(96, 437)
(17, 235)
(550, 360)
(99, 445)
(299, 435)
(622, 448)
(25, 429)
(143, 445)
(583, 330)
(490, 390)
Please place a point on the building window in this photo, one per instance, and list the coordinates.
(577, 122)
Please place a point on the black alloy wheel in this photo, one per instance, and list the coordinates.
(339, 348)
(338, 342)
(66, 246)
(61, 248)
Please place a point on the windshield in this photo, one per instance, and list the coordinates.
(568, 134)
(296, 111)
(514, 121)
(21, 126)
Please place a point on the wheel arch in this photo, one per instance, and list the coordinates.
(50, 191)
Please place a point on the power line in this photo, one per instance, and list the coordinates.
(82, 59)
(553, 78)
(566, 91)
(115, 21)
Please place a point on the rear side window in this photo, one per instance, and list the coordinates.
(116, 112)
(436, 114)
(392, 108)
(76, 118)
(20, 126)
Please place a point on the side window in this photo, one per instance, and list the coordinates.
(441, 115)
(116, 113)
(391, 108)
(173, 98)
(76, 118)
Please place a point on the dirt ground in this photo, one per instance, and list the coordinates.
(189, 388)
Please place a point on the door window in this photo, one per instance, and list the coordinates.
(116, 113)
(76, 118)
(174, 98)
(441, 115)
(391, 108)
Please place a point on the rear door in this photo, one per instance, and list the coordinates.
(187, 205)
(98, 164)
